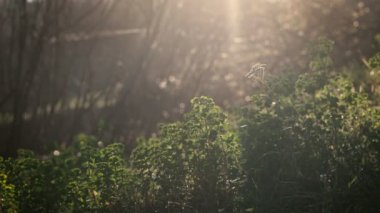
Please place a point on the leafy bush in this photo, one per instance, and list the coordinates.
(313, 148)
(193, 166)
(85, 177)
(99, 179)
(7, 191)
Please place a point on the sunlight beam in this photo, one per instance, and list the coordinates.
(233, 8)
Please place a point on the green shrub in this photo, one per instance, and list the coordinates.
(192, 166)
(83, 178)
(312, 150)
(99, 178)
(7, 191)
(38, 183)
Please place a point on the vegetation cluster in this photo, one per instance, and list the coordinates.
(306, 143)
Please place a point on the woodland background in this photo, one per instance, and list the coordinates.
(116, 68)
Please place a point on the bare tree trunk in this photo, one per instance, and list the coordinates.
(19, 101)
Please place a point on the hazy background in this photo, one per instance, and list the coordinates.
(117, 68)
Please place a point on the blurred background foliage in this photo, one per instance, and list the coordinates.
(116, 68)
